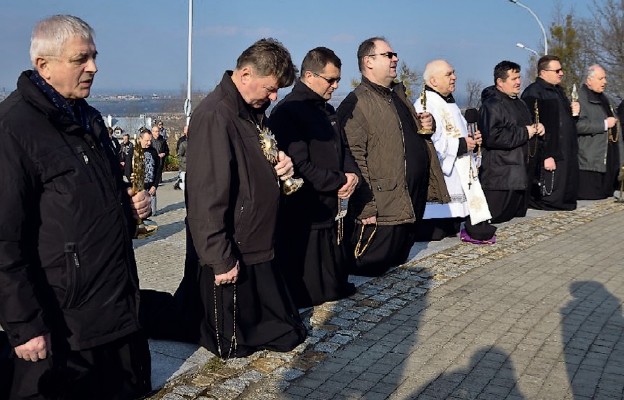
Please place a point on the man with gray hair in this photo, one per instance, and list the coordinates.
(68, 279)
(454, 145)
(598, 134)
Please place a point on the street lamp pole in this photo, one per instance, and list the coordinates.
(187, 101)
(538, 22)
(522, 46)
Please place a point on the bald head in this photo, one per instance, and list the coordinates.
(440, 76)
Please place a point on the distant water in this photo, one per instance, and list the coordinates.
(155, 106)
(131, 108)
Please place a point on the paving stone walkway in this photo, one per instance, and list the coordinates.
(536, 316)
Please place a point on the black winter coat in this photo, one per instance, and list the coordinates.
(232, 191)
(306, 128)
(66, 259)
(555, 113)
(502, 122)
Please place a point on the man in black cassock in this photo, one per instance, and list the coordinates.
(553, 158)
(310, 247)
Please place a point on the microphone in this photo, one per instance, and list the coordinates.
(472, 116)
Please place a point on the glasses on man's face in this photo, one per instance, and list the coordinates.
(388, 54)
(331, 81)
(556, 71)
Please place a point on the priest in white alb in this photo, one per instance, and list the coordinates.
(457, 149)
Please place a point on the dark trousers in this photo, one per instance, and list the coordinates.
(377, 252)
(120, 370)
(506, 204)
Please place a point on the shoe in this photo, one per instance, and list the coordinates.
(176, 187)
(465, 237)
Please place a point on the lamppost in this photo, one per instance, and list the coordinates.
(538, 22)
(522, 46)
(187, 101)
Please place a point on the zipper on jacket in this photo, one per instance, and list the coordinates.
(73, 268)
(91, 168)
(405, 166)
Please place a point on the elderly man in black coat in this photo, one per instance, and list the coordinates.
(68, 279)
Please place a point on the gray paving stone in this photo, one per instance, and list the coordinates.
(476, 321)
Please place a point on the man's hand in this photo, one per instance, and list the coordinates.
(161, 155)
(229, 277)
(369, 220)
(426, 120)
(549, 164)
(477, 137)
(35, 349)
(140, 203)
(611, 121)
(470, 143)
(536, 129)
(347, 189)
(284, 166)
(576, 108)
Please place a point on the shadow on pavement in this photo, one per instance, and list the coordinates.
(490, 374)
(592, 335)
(171, 207)
(164, 231)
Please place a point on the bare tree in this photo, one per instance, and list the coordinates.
(410, 79)
(473, 93)
(602, 37)
(354, 83)
(566, 44)
(406, 76)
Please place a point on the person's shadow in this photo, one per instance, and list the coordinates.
(470, 382)
(592, 326)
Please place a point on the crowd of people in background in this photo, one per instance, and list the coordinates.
(379, 173)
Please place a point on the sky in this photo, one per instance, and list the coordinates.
(142, 44)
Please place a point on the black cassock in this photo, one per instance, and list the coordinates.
(558, 190)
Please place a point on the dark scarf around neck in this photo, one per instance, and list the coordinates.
(76, 110)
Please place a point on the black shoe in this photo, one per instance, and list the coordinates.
(176, 187)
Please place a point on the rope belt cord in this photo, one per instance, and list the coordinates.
(359, 250)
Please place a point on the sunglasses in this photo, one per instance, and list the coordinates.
(331, 81)
(388, 54)
(556, 71)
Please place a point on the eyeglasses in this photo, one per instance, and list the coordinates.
(556, 71)
(388, 54)
(331, 81)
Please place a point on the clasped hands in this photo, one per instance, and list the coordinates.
(536, 129)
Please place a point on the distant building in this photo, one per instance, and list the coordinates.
(129, 125)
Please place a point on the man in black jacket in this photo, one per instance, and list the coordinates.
(232, 198)
(506, 126)
(152, 165)
(68, 278)
(553, 158)
(310, 248)
(159, 143)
